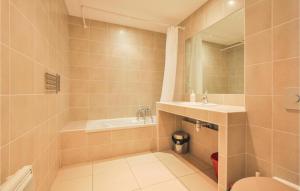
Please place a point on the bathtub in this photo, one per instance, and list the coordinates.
(118, 123)
(108, 124)
(85, 141)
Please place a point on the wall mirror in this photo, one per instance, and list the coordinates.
(214, 58)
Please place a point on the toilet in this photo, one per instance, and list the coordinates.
(260, 184)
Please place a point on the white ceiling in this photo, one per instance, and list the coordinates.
(228, 31)
(171, 12)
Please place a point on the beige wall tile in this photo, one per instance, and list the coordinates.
(5, 122)
(283, 119)
(34, 39)
(77, 31)
(260, 11)
(258, 48)
(286, 151)
(21, 32)
(4, 162)
(285, 11)
(259, 111)
(257, 165)
(286, 74)
(38, 78)
(21, 115)
(112, 81)
(286, 174)
(259, 79)
(21, 152)
(70, 140)
(236, 168)
(259, 142)
(286, 40)
(73, 156)
(5, 75)
(99, 138)
(4, 34)
(79, 100)
(21, 74)
(79, 45)
(99, 152)
(217, 118)
(236, 140)
(234, 99)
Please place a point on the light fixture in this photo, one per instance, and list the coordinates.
(231, 2)
(121, 31)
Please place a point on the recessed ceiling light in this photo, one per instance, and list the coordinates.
(231, 2)
(121, 32)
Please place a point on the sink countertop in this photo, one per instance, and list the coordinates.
(208, 107)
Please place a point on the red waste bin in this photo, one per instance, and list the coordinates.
(214, 159)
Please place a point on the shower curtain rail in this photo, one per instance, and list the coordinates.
(83, 7)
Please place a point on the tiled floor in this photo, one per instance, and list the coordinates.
(142, 172)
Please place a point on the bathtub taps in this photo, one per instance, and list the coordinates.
(144, 111)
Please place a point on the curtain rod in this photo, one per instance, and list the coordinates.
(122, 15)
(232, 46)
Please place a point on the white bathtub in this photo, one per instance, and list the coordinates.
(108, 124)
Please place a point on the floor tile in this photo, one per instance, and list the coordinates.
(123, 180)
(151, 173)
(74, 171)
(197, 182)
(141, 159)
(177, 167)
(113, 176)
(164, 155)
(109, 166)
(77, 184)
(173, 185)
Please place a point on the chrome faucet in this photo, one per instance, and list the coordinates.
(204, 98)
(144, 111)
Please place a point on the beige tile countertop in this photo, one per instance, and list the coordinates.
(202, 106)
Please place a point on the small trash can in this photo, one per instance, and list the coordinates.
(214, 159)
(180, 142)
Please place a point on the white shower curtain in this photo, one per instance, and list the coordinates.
(168, 86)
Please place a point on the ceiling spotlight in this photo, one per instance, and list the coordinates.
(121, 32)
(231, 2)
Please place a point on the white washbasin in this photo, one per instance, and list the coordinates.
(197, 104)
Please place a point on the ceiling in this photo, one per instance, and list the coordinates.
(228, 31)
(169, 12)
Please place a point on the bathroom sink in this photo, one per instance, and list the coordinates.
(198, 104)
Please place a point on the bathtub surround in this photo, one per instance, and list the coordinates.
(33, 40)
(84, 141)
(114, 69)
(169, 77)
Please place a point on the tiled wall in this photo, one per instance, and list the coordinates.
(210, 13)
(34, 39)
(80, 146)
(113, 69)
(214, 68)
(223, 71)
(272, 64)
(235, 65)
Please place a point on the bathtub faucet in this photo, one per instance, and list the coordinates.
(144, 111)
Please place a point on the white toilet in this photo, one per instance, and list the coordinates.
(260, 184)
